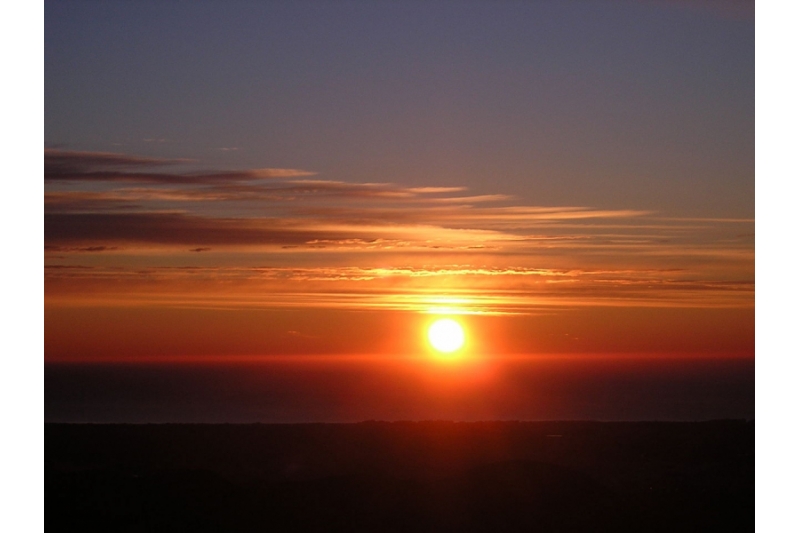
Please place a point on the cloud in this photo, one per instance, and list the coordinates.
(182, 229)
(238, 208)
(54, 248)
(468, 200)
(174, 228)
(68, 166)
(435, 190)
(336, 240)
(470, 290)
(65, 175)
(464, 215)
(56, 160)
(82, 201)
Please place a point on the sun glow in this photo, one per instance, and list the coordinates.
(446, 335)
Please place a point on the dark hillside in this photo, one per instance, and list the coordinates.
(402, 476)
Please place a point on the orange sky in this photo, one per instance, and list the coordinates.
(295, 185)
(143, 262)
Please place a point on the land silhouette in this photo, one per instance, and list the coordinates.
(401, 476)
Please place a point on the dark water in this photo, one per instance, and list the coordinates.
(335, 390)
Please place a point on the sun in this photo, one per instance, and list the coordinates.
(446, 335)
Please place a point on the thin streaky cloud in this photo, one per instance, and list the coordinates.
(435, 190)
(64, 165)
(471, 199)
(710, 220)
(112, 211)
(95, 175)
(193, 289)
(67, 160)
(174, 228)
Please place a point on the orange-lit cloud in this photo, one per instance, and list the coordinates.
(118, 237)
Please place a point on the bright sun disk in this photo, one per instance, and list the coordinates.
(446, 335)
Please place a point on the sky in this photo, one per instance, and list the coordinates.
(287, 194)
